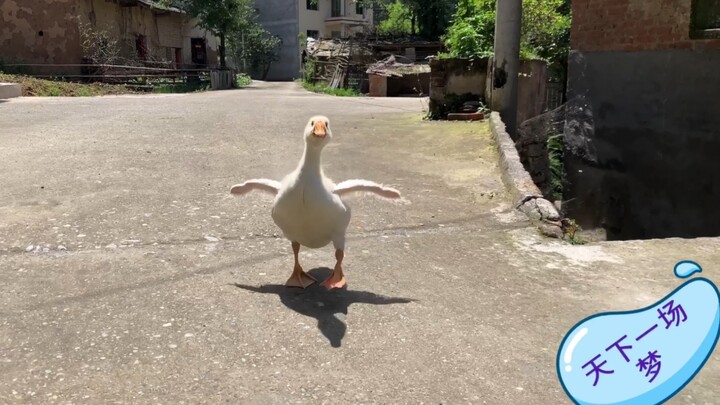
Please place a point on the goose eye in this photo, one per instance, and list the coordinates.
(312, 123)
(327, 124)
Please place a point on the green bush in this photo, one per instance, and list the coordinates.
(243, 80)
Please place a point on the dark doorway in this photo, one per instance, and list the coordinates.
(141, 47)
(199, 52)
(178, 57)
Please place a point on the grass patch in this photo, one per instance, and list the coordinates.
(56, 88)
(167, 88)
(59, 88)
(321, 88)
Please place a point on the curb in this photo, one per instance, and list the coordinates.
(525, 193)
(10, 90)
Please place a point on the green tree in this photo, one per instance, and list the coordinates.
(428, 18)
(433, 16)
(252, 45)
(221, 17)
(472, 31)
(235, 22)
(397, 21)
(545, 29)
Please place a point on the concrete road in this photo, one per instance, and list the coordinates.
(128, 274)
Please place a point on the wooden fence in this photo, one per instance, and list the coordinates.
(553, 95)
(114, 74)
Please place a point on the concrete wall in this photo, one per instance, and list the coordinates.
(410, 85)
(280, 17)
(456, 77)
(48, 31)
(642, 121)
(461, 76)
(191, 30)
(531, 89)
(40, 31)
(126, 23)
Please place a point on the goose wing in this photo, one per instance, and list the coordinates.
(358, 186)
(265, 185)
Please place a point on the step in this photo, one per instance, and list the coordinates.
(10, 90)
(476, 116)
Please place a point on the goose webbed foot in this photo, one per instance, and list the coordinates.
(300, 279)
(337, 278)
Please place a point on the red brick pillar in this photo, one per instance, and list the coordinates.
(378, 86)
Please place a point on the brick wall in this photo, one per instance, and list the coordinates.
(634, 25)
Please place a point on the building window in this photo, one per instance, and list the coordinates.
(313, 34)
(705, 19)
(312, 4)
(359, 9)
(336, 8)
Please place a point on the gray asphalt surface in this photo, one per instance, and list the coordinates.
(129, 274)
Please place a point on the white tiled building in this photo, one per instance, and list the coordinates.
(333, 18)
(321, 19)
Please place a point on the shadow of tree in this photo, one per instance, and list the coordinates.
(322, 304)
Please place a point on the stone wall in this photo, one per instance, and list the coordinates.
(532, 146)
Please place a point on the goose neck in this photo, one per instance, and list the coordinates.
(311, 160)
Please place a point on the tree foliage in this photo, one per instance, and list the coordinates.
(235, 23)
(472, 31)
(433, 16)
(397, 21)
(220, 17)
(254, 49)
(545, 29)
(427, 18)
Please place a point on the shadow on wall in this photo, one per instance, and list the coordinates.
(641, 143)
(328, 307)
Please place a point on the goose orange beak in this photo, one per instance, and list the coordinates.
(319, 129)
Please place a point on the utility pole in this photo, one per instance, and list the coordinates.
(506, 62)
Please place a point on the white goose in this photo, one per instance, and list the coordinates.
(308, 207)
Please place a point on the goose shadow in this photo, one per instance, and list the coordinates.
(322, 304)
